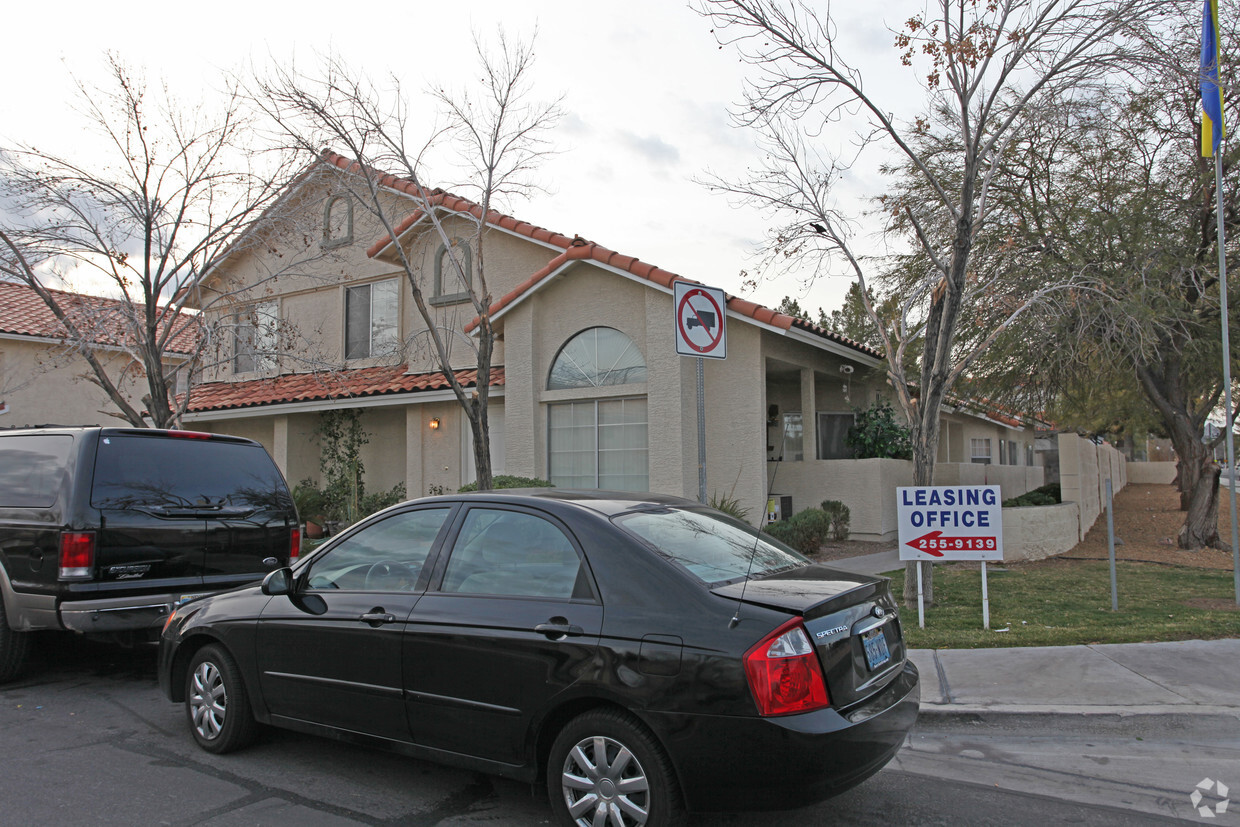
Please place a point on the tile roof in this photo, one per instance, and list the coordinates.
(356, 383)
(575, 249)
(582, 250)
(24, 313)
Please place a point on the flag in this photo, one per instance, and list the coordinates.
(1212, 129)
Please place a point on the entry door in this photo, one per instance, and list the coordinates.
(331, 653)
(512, 623)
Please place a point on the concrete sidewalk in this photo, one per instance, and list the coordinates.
(1196, 677)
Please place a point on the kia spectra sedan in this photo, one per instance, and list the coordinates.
(641, 656)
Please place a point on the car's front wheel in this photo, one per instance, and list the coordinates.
(606, 768)
(216, 706)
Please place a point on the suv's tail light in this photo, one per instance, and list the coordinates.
(189, 434)
(77, 554)
(784, 674)
(294, 543)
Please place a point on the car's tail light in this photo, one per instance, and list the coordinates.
(189, 434)
(294, 543)
(77, 554)
(784, 674)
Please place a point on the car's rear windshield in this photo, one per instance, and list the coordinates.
(32, 469)
(713, 547)
(139, 471)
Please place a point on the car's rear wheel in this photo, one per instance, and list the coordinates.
(606, 768)
(216, 706)
(14, 647)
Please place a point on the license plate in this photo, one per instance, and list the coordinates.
(185, 598)
(876, 651)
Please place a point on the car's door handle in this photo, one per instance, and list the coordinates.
(377, 617)
(559, 628)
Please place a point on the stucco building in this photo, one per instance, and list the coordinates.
(588, 391)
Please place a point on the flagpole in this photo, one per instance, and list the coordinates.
(1227, 420)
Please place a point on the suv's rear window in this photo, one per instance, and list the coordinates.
(711, 546)
(184, 473)
(32, 468)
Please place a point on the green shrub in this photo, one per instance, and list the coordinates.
(509, 481)
(876, 433)
(730, 506)
(837, 518)
(1045, 495)
(805, 531)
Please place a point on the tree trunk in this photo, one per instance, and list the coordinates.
(923, 474)
(1199, 478)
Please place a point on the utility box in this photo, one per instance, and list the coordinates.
(778, 507)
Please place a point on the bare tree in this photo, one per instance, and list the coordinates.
(983, 67)
(176, 188)
(497, 136)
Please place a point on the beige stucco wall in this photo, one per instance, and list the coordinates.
(43, 384)
(1013, 480)
(866, 486)
(1037, 532)
(308, 283)
(1151, 473)
(1084, 469)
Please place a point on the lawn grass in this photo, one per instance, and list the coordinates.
(1065, 602)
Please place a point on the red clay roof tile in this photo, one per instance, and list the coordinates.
(356, 383)
(23, 312)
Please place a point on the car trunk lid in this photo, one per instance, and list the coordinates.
(851, 619)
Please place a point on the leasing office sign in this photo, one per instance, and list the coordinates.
(956, 522)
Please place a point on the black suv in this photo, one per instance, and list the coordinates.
(104, 530)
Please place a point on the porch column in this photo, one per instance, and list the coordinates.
(809, 415)
(279, 443)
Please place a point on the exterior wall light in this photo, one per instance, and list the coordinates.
(434, 423)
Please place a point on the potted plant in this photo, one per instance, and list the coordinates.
(311, 507)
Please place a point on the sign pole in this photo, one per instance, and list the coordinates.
(701, 429)
(985, 599)
(921, 600)
(1111, 546)
(1227, 417)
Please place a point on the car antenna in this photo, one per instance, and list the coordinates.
(770, 485)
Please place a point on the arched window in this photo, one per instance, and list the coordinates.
(603, 442)
(596, 358)
(449, 287)
(338, 221)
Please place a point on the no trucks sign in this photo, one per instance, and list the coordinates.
(957, 522)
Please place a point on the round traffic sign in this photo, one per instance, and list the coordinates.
(699, 321)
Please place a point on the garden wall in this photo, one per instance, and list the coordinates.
(1151, 473)
(1038, 531)
(1084, 468)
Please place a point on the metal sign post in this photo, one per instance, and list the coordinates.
(701, 331)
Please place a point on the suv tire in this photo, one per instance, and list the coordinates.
(14, 647)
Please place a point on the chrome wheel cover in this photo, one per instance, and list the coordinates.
(604, 784)
(208, 701)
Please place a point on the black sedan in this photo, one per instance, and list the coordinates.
(642, 655)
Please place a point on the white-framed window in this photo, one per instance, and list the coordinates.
(449, 287)
(372, 313)
(1013, 452)
(338, 221)
(256, 337)
(833, 435)
(596, 358)
(598, 443)
(1029, 454)
(980, 450)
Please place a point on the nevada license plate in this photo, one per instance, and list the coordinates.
(876, 651)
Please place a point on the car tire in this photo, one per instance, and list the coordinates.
(14, 647)
(216, 704)
(607, 760)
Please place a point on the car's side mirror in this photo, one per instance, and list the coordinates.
(277, 582)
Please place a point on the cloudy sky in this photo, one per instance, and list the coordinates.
(646, 92)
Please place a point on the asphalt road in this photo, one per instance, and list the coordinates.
(86, 738)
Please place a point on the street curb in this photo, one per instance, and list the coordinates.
(1126, 719)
